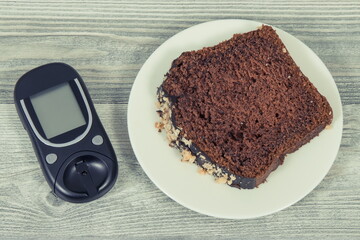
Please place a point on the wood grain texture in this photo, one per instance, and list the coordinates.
(107, 41)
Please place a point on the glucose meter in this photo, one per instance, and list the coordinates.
(73, 149)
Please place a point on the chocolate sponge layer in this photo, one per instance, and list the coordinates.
(243, 105)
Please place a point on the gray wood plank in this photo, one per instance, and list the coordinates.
(136, 208)
(108, 41)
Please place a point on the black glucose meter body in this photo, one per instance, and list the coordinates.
(73, 149)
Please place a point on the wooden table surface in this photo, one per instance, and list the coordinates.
(107, 41)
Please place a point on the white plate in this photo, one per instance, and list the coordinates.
(301, 172)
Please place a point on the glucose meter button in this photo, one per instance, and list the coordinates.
(97, 140)
(51, 158)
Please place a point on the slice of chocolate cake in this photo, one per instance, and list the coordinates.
(236, 109)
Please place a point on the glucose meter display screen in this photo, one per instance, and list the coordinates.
(57, 110)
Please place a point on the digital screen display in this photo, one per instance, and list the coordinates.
(57, 110)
